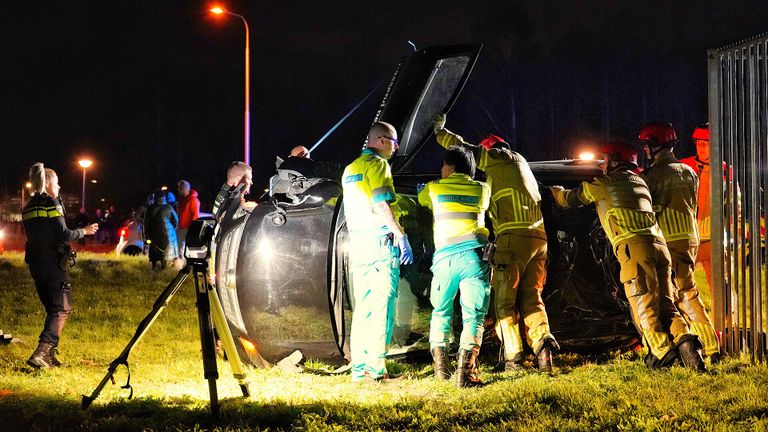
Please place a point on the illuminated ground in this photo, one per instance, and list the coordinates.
(614, 392)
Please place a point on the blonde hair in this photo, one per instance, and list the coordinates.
(37, 177)
(49, 175)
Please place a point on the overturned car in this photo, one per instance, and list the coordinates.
(281, 270)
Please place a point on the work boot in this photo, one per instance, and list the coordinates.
(52, 352)
(515, 364)
(545, 356)
(440, 358)
(41, 358)
(466, 369)
(690, 354)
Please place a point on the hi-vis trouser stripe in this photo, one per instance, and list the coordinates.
(675, 225)
(704, 228)
(44, 212)
(658, 343)
(631, 223)
(525, 211)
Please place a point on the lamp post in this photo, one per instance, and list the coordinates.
(218, 10)
(84, 163)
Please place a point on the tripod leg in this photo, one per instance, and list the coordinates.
(162, 301)
(228, 342)
(210, 369)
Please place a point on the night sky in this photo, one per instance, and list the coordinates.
(153, 91)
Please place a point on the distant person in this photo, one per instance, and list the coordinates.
(98, 217)
(81, 221)
(238, 173)
(377, 246)
(673, 187)
(48, 256)
(299, 160)
(459, 204)
(160, 228)
(115, 222)
(189, 210)
(623, 204)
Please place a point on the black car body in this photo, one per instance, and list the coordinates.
(281, 269)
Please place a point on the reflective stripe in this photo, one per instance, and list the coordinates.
(441, 243)
(676, 225)
(520, 212)
(457, 215)
(44, 212)
(630, 223)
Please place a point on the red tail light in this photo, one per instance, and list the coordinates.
(123, 231)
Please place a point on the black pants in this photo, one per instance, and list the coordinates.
(51, 278)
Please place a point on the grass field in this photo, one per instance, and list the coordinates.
(614, 392)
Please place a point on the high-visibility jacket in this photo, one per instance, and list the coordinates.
(367, 181)
(703, 219)
(673, 187)
(623, 204)
(459, 205)
(515, 199)
(46, 230)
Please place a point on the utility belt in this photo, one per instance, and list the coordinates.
(66, 253)
(488, 251)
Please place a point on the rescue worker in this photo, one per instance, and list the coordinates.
(47, 253)
(237, 173)
(623, 204)
(700, 165)
(459, 204)
(673, 186)
(378, 246)
(519, 263)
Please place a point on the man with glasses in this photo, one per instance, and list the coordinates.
(378, 246)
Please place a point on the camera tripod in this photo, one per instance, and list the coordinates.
(210, 315)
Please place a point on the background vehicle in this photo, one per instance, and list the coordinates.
(281, 270)
(131, 238)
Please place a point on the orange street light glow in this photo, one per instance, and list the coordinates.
(217, 10)
(586, 155)
(28, 185)
(85, 163)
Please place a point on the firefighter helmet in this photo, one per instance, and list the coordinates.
(658, 134)
(493, 140)
(620, 153)
(701, 132)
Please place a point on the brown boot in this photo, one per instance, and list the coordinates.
(690, 354)
(545, 356)
(41, 358)
(440, 358)
(466, 368)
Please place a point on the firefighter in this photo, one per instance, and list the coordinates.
(700, 165)
(623, 204)
(519, 263)
(673, 187)
(459, 204)
(378, 246)
(47, 253)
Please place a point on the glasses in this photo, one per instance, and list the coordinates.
(394, 140)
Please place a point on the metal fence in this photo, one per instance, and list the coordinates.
(738, 112)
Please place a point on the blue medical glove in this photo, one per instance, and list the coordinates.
(406, 253)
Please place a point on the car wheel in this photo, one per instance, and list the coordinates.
(132, 250)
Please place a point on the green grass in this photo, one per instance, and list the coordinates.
(111, 297)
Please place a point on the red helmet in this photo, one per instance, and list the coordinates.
(621, 153)
(658, 134)
(491, 140)
(701, 132)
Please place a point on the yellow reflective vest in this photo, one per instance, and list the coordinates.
(623, 204)
(515, 199)
(365, 182)
(673, 187)
(459, 205)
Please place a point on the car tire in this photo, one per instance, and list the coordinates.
(132, 250)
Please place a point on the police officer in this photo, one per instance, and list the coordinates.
(459, 204)
(48, 256)
(673, 187)
(623, 204)
(519, 263)
(378, 246)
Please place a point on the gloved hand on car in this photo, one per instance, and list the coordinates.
(438, 122)
(406, 253)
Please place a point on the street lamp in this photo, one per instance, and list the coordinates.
(84, 163)
(218, 10)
